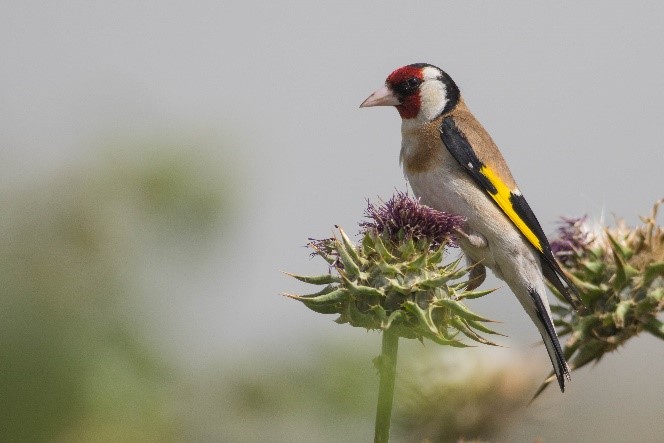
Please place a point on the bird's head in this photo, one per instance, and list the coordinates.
(418, 91)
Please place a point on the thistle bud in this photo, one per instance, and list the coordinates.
(395, 278)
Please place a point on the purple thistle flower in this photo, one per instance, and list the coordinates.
(572, 239)
(402, 215)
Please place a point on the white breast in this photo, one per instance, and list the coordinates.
(445, 187)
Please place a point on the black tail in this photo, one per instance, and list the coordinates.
(551, 341)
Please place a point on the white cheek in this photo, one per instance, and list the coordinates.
(433, 97)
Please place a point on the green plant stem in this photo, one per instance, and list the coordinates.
(387, 364)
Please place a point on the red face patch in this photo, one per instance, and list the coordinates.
(410, 103)
(410, 106)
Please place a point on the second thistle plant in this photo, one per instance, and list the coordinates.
(620, 275)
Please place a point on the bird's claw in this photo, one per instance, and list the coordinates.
(476, 276)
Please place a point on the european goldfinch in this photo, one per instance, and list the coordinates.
(453, 165)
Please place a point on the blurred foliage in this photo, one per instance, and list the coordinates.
(443, 395)
(446, 396)
(73, 365)
(328, 396)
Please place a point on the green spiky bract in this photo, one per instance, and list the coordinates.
(395, 281)
(619, 272)
(397, 285)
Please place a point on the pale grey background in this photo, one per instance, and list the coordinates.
(571, 91)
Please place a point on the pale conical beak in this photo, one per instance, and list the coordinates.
(382, 97)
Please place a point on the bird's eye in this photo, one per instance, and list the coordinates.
(409, 85)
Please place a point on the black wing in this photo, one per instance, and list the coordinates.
(513, 205)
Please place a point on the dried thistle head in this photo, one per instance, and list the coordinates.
(395, 278)
(445, 397)
(619, 271)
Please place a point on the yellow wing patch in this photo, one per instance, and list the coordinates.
(502, 198)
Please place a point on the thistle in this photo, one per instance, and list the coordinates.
(395, 281)
(395, 278)
(619, 272)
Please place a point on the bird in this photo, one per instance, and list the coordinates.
(453, 165)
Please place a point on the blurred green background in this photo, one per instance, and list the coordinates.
(162, 162)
